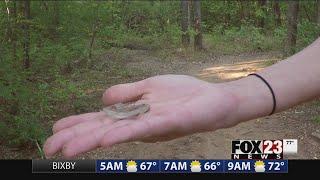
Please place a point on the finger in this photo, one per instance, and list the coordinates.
(90, 140)
(124, 92)
(73, 120)
(56, 142)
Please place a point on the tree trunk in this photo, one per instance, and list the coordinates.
(26, 43)
(292, 17)
(8, 30)
(277, 12)
(318, 12)
(190, 14)
(226, 18)
(94, 32)
(185, 22)
(20, 8)
(242, 12)
(14, 36)
(56, 13)
(95, 27)
(197, 25)
(262, 4)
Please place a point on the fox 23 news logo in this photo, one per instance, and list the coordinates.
(262, 149)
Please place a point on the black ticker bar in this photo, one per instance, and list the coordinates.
(25, 168)
(63, 166)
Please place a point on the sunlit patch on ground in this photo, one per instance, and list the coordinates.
(234, 71)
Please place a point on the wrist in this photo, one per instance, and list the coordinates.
(252, 99)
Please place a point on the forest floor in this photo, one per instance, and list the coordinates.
(296, 123)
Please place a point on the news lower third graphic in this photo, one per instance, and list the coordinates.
(160, 166)
(247, 156)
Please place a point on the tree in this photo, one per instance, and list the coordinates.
(277, 12)
(242, 10)
(318, 11)
(292, 17)
(95, 26)
(185, 16)
(26, 42)
(14, 36)
(262, 6)
(56, 13)
(8, 32)
(190, 14)
(197, 25)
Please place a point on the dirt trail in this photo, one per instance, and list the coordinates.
(295, 123)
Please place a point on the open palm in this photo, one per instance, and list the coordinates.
(179, 105)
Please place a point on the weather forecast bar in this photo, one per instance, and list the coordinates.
(160, 166)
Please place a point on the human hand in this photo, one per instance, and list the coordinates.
(179, 105)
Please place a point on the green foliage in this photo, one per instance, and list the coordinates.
(280, 33)
(62, 32)
(28, 105)
(317, 103)
(22, 110)
(316, 119)
(307, 33)
(269, 62)
(246, 38)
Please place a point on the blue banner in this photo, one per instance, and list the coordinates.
(191, 166)
(256, 166)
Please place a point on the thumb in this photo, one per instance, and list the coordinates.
(124, 92)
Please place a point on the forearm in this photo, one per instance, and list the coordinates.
(294, 80)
